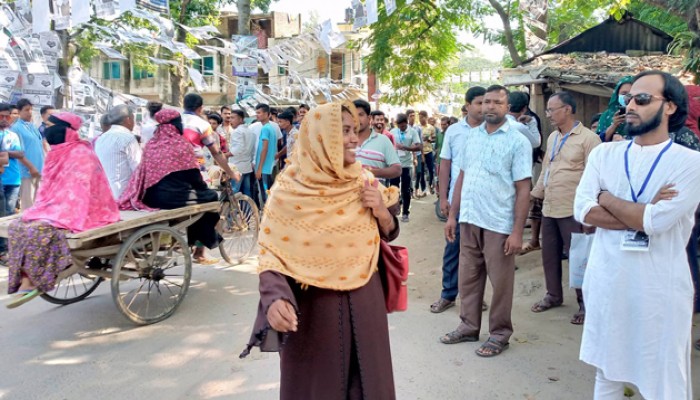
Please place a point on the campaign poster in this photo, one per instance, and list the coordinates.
(38, 88)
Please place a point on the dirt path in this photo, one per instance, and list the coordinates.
(89, 351)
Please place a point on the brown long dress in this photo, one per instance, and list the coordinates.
(341, 349)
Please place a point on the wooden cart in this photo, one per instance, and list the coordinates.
(145, 255)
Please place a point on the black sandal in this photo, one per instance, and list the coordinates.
(458, 337)
(494, 348)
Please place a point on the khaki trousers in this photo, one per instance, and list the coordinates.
(27, 192)
(482, 255)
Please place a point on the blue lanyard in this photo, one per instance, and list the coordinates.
(563, 140)
(651, 171)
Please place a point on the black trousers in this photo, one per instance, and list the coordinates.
(404, 181)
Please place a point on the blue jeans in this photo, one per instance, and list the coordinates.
(692, 251)
(245, 185)
(3, 241)
(264, 185)
(11, 197)
(450, 268)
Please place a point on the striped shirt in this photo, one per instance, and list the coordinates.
(377, 152)
(119, 154)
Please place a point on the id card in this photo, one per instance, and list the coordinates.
(402, 153)
(634, 241)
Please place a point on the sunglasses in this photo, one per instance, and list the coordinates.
(5, 117)
(642, 99)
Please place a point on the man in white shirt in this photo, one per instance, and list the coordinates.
(118, 150)
(641, 195)
(149, 127)
(242, 149)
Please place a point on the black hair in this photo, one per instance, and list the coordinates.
(376, 113)
(498, 88)
(5, 107)
(409, 112)
(240, 113)
(422, 113)
(221, 110)
(274, 111)
(362, 104)
(473, 93)
(23, 103)
(566, 98)
(177, 123)
(453, 120)
(216, 117)
(445, 119)
(45, 109)
(401, 118)
(264, 107)
(596, 118)
(286, 115)
(464, 109)
(673, 92)
(13, 107)
(518, 101)
(291, 110)
(192, 102)
(153, 107)
(305, 106)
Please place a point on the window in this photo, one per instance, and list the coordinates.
(111, 70)
(140, 73)
(205, 65)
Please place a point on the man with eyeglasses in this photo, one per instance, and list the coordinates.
(641, 196)
(566, 155)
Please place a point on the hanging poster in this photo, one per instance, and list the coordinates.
(34, 57)
(246, 67)
(38, 88)
(8, 81)
(197, 79)
(79, 12)
(106, 9)
(51, 46)
(390, 6)
(360, 19)
(159, 6)
(40, 16)
(372, 12)
(16, 24)
(245, 88)
(23, 14)
(61, 14)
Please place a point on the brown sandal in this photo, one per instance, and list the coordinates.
(491, 348)
(544, 305)
(441, 305)
(458, 337)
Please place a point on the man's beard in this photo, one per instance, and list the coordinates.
(645, 126)
(379, 127)
(494, 119)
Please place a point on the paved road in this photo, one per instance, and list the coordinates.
(89, 351)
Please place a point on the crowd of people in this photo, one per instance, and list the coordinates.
(336, 182)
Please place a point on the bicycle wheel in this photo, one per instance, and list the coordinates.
(151, 274)
(72, 289)
(239, 226)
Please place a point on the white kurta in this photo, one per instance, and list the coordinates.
(639, 305)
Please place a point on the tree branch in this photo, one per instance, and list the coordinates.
(508, 31)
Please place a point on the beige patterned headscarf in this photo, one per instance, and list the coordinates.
(314, 227)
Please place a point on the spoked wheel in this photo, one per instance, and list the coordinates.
(442, 217)
(239, 225)
(151, 274)
(72, 289)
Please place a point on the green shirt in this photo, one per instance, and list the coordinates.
(407, 138)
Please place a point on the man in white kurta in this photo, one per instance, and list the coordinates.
(639, 294)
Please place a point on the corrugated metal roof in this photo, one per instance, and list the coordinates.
(616, 37)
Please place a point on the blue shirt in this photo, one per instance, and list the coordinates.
(267, 133)
(452, 147)
(492, 163)
(31, 141)
(9, 141)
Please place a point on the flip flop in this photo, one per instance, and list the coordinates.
(441, 305)
(458, 337)
(528, 248)
(543, 305)
(206, 261)
(23, 297)
(579, 318)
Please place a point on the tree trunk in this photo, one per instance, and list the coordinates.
(243, 17)
(62, 95)
(178, 80)
(508, 31)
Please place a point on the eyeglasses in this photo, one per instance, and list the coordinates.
(551, 110)
(6, 117)
(642, 99)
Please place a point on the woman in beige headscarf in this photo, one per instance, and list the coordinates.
(321, 300)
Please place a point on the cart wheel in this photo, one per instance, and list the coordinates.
(72, 289)
(239, 225)
(151, 274)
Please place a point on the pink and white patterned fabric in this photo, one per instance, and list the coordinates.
(166, 153)
(74, 193)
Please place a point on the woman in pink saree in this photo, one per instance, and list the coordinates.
(74, 196)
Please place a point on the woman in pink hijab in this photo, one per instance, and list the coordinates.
(74, 196)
